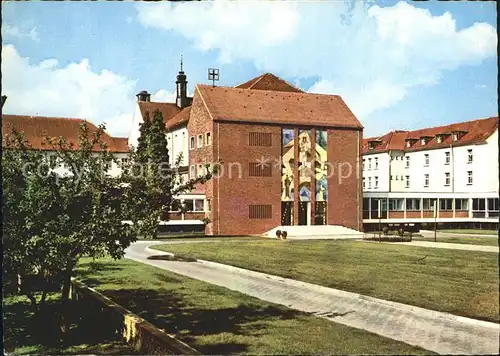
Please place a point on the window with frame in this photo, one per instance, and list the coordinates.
(492, 204)
(369, 182)
(478, 204)
(376, 162)
(407, 162)
(363, 164)
(208, 139)
(209, 205)
(369, 164)
(426, 180)
(364, 182)
(446, 179)
(192, 172)
(426, 159)
(199, 205)
(470, 156)
(396, 204)
(175, 206)
(445, 204)
(200, 170)
(124, 161)
(413, 204)
(462, 204)
(469, 178)
(200, 140)
(376, 182)
(191, 141)
(407, 185)
(447, 158)
(428, 204)
(188, 204)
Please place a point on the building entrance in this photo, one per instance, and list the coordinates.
(287, 213)
(304, 213)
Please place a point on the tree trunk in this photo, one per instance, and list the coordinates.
(66, 288)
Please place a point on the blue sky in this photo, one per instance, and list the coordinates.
(398, 65)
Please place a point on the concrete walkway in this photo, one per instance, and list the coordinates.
(429, 233)
(439, 332)
(445, 245)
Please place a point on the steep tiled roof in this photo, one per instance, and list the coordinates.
(269, 81)
(264, 106)
(475, 131)
(180, 118)
(36, 128)
(168, 110)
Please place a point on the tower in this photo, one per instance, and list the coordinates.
(182, 99)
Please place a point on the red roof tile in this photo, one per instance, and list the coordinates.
(475, 131)
(264, 106)
(179, 119)
(168, 110)
(36, 128)
(269, 81)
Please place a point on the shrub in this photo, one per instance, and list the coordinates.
(401, 232)
(385, 230)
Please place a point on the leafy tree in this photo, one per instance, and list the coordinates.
(51, 219)
(159, 181)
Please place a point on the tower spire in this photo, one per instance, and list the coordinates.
(181, 62)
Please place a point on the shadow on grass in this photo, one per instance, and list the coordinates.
(172, 258)
(28, 333)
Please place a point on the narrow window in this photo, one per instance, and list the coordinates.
(200, 141)
(426, 180)
(208, 141)
(469, 177)
(376, 182)
(447, 179)
(407, 181)
(407, 161)
(470, 156)
(376, 163)
(192, 143)
(447, 158)
(426, 156)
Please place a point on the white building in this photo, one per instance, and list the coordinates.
(36, 128)
(453, 166)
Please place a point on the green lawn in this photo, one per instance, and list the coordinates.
(27, 334)
(470, 231)
(216, 320)
(459, 282)
(469, 240)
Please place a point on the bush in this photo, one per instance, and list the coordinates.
(401, 232)
(385, 230)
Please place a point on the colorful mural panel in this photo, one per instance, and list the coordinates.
(306, 158)
(288, 164)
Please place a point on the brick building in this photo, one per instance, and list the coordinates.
(287, 157)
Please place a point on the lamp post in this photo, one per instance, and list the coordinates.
(435, 221)
(379, 221)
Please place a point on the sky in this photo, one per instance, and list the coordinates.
(397, 64)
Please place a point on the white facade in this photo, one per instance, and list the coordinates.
(467, 174)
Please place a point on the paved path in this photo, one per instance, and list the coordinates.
(429, 233)
(445, 245)
(439, 332)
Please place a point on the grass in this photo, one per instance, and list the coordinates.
(26, 333)
(470, 231)
(472, 240)
(216, 320)
(459, 282)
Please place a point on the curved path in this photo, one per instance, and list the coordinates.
(435, 331)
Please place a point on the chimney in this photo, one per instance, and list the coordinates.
(143, 96)
(182, 99)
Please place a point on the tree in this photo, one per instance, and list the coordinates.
(159, 181)
(52, 219)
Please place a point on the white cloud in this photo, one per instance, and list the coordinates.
(373, 56)
(10, 31)
(72, 91)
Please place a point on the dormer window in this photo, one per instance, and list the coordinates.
(410, 142)
(458, 134)
(373, 143)
(425, 139)
(441, 137)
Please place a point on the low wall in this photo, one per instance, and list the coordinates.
(141, 334)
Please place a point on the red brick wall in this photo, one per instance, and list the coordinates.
(428, 214)
(412, 214)
(461, 214)
(237, 193)
(201, 123)
(446, 214)
(396, 214)
(345, 201)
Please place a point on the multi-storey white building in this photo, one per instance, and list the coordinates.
(452, 167)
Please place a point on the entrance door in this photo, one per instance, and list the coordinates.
(287, 213)
(304, 213)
